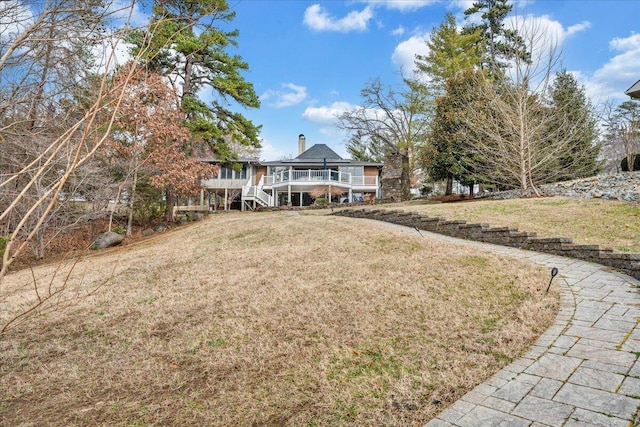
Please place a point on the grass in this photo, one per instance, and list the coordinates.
(269, 319)
(610, 224)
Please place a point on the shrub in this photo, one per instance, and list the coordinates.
(321, 201)
(425, 190)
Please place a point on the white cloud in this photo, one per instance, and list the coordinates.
(318, 19)
(326, 115)
(289, 95)
(624, 44)
(404, 55)
(270, 152)
(401, 5)
(619, 73)
(110, 53)
(577, 28)
(14, 20)
(124, 11)
(608, 82)
(398, 31)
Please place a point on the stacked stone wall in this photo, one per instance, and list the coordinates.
(623, 186)
(506, 236)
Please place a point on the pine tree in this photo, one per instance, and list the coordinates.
(499, 44)
(574, 121)
(445, 157)
(450, 52)
(183, 44)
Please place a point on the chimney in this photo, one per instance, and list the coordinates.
(302, 141)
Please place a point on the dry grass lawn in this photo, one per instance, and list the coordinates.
(608, 223)
(268, 319)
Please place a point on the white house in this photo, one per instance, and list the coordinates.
(291, 182)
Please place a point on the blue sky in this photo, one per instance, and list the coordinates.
(309, 59)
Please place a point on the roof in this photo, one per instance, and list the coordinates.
(229, 161)
(317, 155)
(634, 91)
(321, 152)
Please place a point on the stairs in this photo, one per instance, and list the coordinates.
(254, 193)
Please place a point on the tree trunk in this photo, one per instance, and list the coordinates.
(131, 202)
(449, 190)
(168, 212)
(471, 190)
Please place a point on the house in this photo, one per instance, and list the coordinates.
(293, 182)
(634, 91)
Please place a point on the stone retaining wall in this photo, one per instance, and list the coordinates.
(619, 186)
(506, 236)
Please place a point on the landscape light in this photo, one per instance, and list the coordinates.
(554, 272)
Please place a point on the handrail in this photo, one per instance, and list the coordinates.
(264, 197)
(320, 176)
(246, 187)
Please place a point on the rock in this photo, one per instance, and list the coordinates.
(147, 232)
(619, 186)
(159, 228)
(106, 240)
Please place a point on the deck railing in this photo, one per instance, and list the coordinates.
(320, 176)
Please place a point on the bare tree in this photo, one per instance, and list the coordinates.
(512, 129)
(389, 120)
(52, 112)
(622, 137)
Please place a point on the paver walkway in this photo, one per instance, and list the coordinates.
(583, 371)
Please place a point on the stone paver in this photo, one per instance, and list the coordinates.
(583, 371)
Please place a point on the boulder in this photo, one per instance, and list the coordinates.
(147, 232)
(107, 239)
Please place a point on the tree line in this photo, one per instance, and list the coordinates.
(76, 124)
(491, 104)
(487, 105)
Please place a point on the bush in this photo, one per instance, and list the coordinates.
(425, 190)
(148, 213)
(321, 201)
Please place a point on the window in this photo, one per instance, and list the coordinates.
(353, 170)
(243, 173)
(225, 172)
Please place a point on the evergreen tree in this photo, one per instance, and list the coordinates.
(574, 121)
(445, 157)
(498, 44)
(183, 44)
(450, 51)
(366, 150)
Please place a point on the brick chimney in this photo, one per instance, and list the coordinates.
(302, 142)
